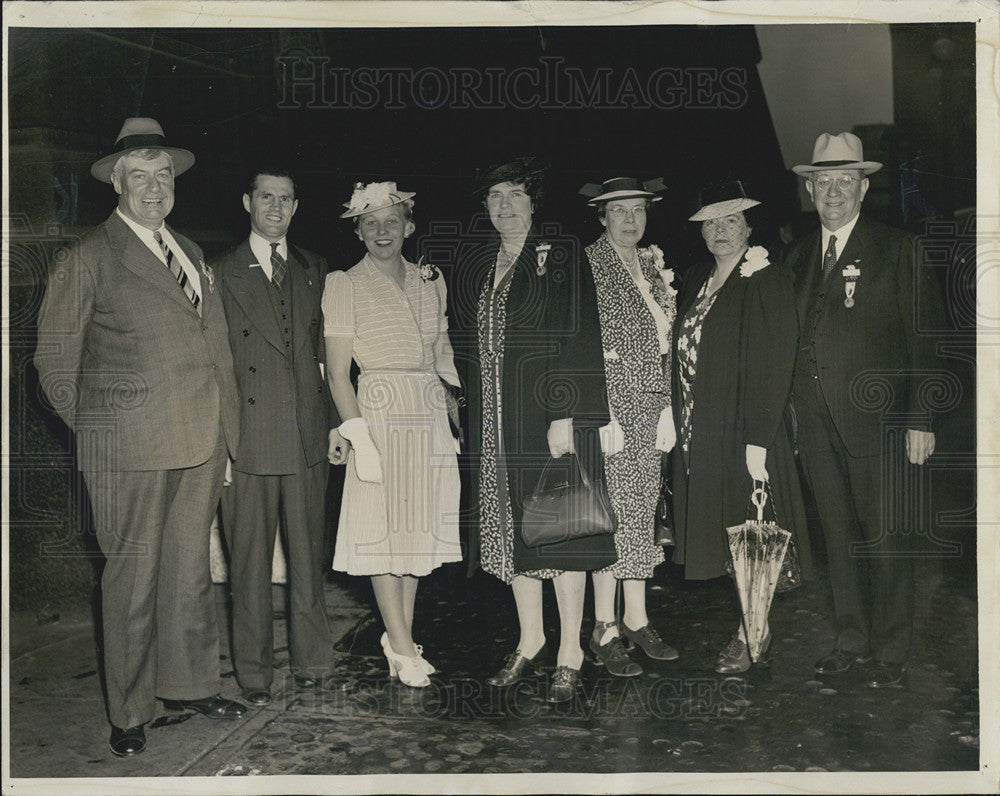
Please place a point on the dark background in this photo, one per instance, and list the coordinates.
(220, 93)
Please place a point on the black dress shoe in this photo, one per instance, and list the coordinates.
(257, 696)
(305, 682)
(884, 674)
(128, 742)
(514, 666)
(215, 707)
(839, 661)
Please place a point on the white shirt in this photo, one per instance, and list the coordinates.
(843, 235)
(146, 236)
(261, 248)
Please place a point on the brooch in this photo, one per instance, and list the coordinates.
(542, 254)
(851, 275)
(209, 275)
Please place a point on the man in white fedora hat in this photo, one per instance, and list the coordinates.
(861, 359)
(133, 353)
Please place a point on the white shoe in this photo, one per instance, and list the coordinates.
(427, 666)
(410, 671)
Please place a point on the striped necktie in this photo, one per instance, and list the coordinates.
(278, 267)
(178, 272)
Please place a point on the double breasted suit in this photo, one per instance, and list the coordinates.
(286, 413)
(146, 382)
(860, 362)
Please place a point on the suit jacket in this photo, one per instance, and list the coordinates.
(871, 357)
(126, 360)
(286, 408)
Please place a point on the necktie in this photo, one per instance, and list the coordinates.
(178, 272)
(830, 258)
(278, 267)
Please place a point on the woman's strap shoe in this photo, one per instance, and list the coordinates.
(614, 656)
(514, 666)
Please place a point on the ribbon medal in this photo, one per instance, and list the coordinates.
(542, 253)
(851, 275)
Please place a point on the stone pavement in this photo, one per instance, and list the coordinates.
(677, 718)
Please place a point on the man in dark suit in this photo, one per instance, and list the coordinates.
(862, 355)
(133, 353)
(271, 291)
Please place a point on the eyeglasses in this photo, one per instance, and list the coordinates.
(618, 212)
(845, 183)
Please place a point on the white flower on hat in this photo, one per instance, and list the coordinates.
(754, 260)
(372, 195)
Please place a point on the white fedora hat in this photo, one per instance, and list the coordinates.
(841, 151)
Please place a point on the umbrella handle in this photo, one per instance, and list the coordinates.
(759, 498)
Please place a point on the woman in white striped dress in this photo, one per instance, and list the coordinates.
(399, 513)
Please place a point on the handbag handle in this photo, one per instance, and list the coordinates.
(584, 477)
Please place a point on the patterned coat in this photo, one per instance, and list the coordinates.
(638, 391)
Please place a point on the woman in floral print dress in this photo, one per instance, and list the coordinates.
(525, 334)
(735, 342)
(636, 304)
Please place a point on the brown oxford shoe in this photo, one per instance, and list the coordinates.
(514, 667)
(215, 707)
(127, 742)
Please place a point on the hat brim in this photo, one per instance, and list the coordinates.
(724, 208)
(183, 160)
(398, 198)
(607, 197)
(867, 166)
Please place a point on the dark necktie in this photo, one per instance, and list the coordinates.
(178, 272)
(830, 258)
(278, 267)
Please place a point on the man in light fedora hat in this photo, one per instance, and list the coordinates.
(133, 354)
(861, 358)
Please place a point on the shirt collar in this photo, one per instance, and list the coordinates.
(843, 235)
(145, 234)
(261, 247)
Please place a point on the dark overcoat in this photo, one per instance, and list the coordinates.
(552, 368)
(746, 358)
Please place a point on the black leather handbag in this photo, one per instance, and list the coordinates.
(570, 509)
(663, 520)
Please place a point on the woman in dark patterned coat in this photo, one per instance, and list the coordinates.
(636, 304)
(735, 342)
(528, 360)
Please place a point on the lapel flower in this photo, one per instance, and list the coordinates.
(428, 273)
(209, 275)
(667, 276)
(542, 254)
(754, 260)
(653, 255)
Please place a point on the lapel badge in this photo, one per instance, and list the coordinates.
(851, 275)
(542, 254)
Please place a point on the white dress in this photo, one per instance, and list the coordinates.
(408, 524)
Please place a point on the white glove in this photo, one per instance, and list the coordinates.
(612, 438)
(756, 456)
(560, 437)
(227, 479)
(367, 461)
(666, 436)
